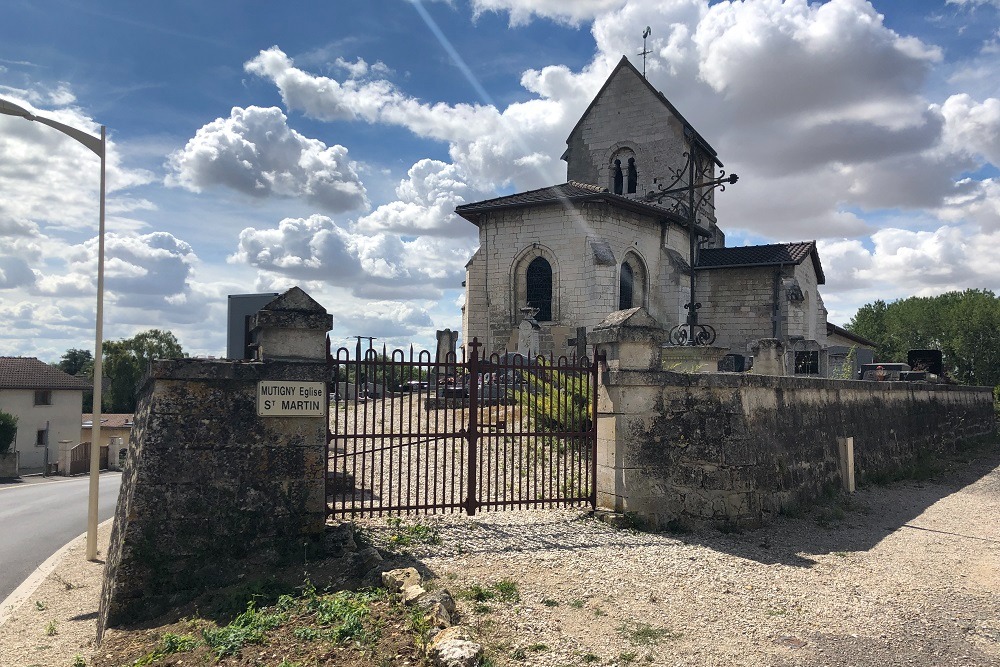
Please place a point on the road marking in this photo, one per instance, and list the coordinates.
(35, 579)
(57, 478)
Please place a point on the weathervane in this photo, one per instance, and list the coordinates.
(644, 52)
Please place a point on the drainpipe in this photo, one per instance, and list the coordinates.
(776, 308)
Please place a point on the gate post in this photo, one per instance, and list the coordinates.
(472, 428)
(631, 342)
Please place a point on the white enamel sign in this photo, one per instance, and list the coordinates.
(291, 399)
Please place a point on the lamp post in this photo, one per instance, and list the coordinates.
(689, 190)
(98, 146)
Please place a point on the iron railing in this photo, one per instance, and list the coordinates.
(412, 434)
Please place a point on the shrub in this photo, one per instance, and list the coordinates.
(8, 429)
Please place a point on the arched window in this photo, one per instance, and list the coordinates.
(618, 177)
(633, 176)
(539, 288)
(626, 285)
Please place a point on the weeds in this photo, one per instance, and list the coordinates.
(644, 634)
(40, 606)
(52, 629)
(66, 584)
(407, 535)
(169, 644)
(504, 590)
(549, 602)
(79, 661)
(250, 627)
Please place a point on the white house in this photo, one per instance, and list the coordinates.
(48, 405)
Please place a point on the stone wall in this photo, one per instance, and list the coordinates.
(585, 246)
(739, 448)
(739, 302)
(212, 491)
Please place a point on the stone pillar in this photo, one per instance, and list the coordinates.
(631, 341)
(768, 357)
(227, 469)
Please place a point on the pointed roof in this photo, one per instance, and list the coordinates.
(688, 128)
(775, 254)
(31, 373)
(295, 299)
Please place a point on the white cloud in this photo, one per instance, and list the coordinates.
(571, 12)
(386, 319)
(972, 128)
(521, 145)
(426, 203)
(313, 248)
(373, 266)
(48, 180)
(256, 153)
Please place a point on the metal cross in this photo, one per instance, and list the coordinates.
(645, 51)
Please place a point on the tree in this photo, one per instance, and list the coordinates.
(965, 326)
(77, 362)
(8, 430)
(126, 360)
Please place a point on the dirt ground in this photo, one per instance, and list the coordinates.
(907, 574)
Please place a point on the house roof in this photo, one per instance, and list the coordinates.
(832, 329)
(688, 128)
(570, 192)
(114, 420)
(774, 254)
(30, 373)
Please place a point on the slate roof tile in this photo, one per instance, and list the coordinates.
(773, 254)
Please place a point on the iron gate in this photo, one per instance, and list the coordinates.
(411, 434)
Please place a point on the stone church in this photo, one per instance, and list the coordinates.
(620, 233)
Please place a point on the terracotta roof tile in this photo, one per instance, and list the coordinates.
(30, 373)
(114, 420)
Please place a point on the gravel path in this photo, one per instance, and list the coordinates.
(910, 575)
(59, 620)
(907, 575)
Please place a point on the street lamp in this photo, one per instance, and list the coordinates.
(98, 145)
(689, 191)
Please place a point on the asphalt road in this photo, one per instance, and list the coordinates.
(39, 517)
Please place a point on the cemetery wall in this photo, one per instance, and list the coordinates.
(739, 448)
(219, 486)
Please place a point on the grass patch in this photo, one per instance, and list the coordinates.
(505, 590)
(644, 634)
(170, 643)
(405, 535)
(250, 627)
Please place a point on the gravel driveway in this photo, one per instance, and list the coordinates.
(903, 575)
(900, 575)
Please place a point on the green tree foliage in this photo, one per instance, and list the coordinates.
(965, 326)
(77, 362)
(8, 430)
(126, 360)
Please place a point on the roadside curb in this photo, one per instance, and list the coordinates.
(20, 595)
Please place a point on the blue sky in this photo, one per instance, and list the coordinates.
(261, 145)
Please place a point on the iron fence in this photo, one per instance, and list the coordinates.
(413, 434)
